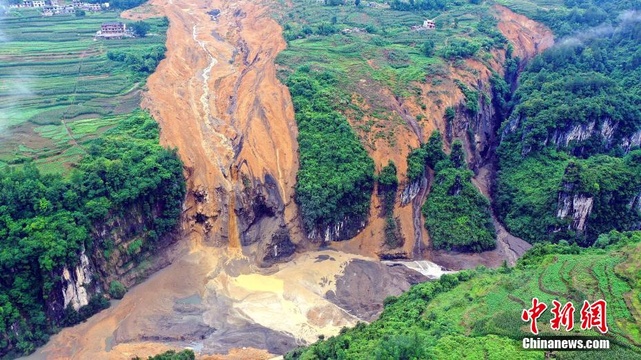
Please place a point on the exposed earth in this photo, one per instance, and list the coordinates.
(217, 99)
(216, 304)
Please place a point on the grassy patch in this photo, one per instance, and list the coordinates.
(52, 71)
(375, 52)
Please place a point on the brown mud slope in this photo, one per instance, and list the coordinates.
(528, 36)
(218, 101)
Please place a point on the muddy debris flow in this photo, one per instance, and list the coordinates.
(228, 291)
(214, 303)
(237, 288)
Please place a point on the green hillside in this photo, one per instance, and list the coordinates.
(47, 220)
(81, 169)
(60, 87)
(476, 314)
(573, 130)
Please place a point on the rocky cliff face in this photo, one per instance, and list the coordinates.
(343, 230)
(410, 192)
(119, 251)
(579, 132)
(477, 131)
(259, 209)
(628, 142)
(604, 131)
(601, 135)
(577, 208)
(635, 203)
(74, 290)
(573, 205)
(76, 283)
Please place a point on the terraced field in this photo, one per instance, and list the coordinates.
(51, 101)
(563, 277)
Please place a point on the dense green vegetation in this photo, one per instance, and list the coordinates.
(116, 289)
(477, 314)
(427, 5)
(457, 216)
(72, 317)
(336, 176)
(420, 5)
(59, 86)
(47, 220)
(387, 188)
(471, 98)
(143, 64)
(528, 194)
(416, 164)
(171, 355)
(567, 17)
(570, 132)
(140, 28)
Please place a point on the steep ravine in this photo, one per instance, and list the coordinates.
(218, 101)
(477, 132)
(237, 283)
(528, 38)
